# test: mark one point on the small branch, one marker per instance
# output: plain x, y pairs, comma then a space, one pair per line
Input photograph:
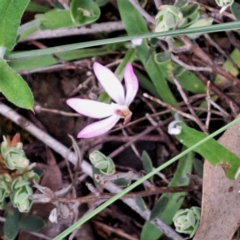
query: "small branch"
132, 145
157, 3
148, 17
206, 59
208, 106
220, 50
117, 231
218, 107
39, 109
76, 31
184, 97
189, 67
186, 115
214, 88
135, 138
215, 10
105, 196
148, 138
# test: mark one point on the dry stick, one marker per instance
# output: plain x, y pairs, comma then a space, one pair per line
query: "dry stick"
206, 59
208, 106
114, 230
132, 145
212, 9
148, 17
81, 85
41, 198
64, 32
149, 138
186, 115
157, 3
217, 107
38, 109
234, 41
86, 167
189, 67
220, 50
134, 139
166, 137
150, 119
215, 89
159, 129
184, 97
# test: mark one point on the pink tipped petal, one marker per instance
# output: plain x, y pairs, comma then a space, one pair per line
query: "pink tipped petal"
131, 83
110, 83
90, 108
98, 128
127, 119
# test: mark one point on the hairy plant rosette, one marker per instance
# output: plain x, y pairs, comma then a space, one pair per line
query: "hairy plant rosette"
111, 112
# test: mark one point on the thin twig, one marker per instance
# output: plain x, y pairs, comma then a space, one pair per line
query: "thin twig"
184, 97
217, 107
148, 138
117, 231
157, 3
227, 14
76, 31
220, 50
208, 106
135, 138
214, 88
81, 85
132, 145
148, 17
189, 67
86, 167
186, 115
38, 109
105, 196
208, 61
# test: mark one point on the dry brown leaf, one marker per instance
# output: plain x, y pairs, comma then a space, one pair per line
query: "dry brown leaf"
220, 215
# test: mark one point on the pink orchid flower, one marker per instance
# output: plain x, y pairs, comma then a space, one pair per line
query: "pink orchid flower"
113, 111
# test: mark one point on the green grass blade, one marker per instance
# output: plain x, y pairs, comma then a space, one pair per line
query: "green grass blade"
214, 28
140, 181
175, 200
31, 63
128, 15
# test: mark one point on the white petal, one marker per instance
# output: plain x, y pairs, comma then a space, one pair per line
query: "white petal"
223, 9
131, 83
53, 216
110, 83
98, 128
136, 41
90, 108
174, 128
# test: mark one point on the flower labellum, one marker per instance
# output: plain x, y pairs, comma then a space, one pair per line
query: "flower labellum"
111, 112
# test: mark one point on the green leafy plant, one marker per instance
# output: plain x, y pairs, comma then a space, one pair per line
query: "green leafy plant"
12, 85
16, 190
180, 16
187, 220
16, 184
15, 222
